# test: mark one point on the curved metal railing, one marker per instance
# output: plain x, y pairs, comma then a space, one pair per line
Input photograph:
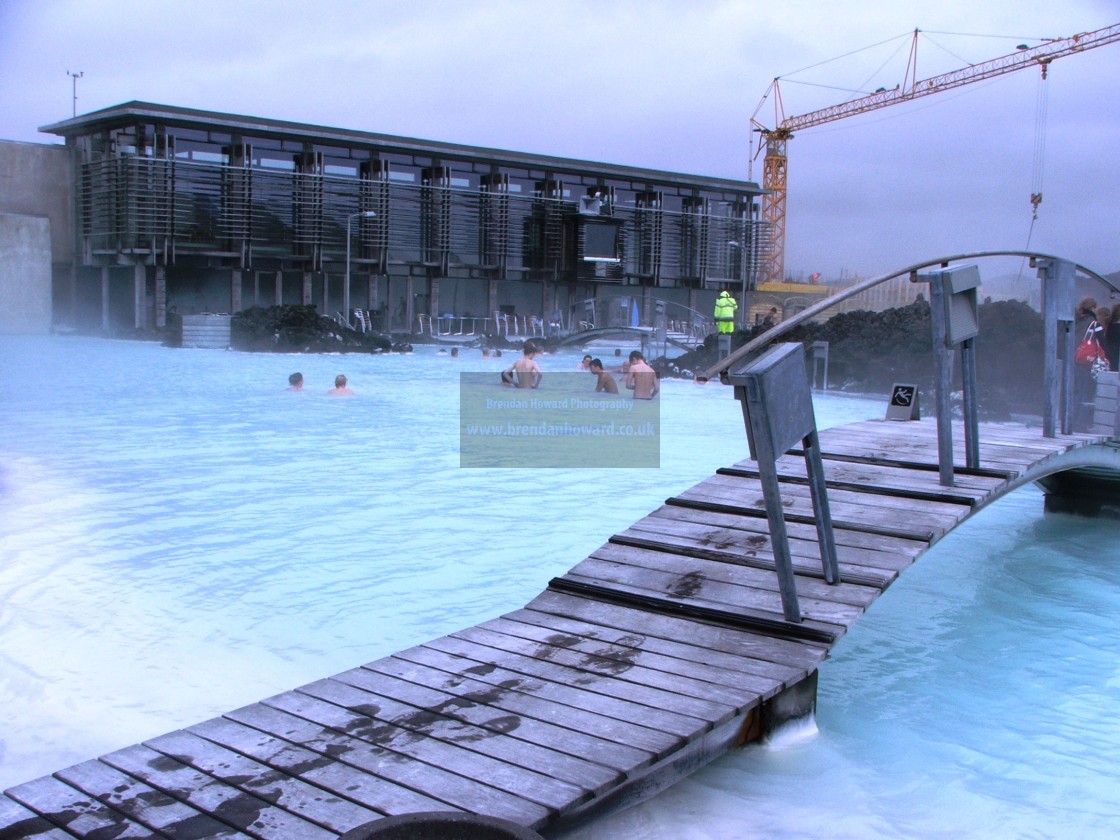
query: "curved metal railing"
759, 342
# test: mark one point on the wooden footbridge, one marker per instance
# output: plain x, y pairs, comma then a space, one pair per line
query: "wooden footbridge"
664, 648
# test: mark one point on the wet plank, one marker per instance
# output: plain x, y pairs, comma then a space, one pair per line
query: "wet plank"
277, 805
432, 780
144, 804
484, 708
794, 654
18, 821
335, 776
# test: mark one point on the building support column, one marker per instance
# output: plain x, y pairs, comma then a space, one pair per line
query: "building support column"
548, 302
105, 298
139, 294
326, 311
256, 288
409, 303
492, 298
372, 296
693, 303
346, 297
235, 291
433, 297
305, 299
647, 305
161, 297
278, 292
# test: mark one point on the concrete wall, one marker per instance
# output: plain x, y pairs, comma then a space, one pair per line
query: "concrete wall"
36, 285
35, 181
25, 274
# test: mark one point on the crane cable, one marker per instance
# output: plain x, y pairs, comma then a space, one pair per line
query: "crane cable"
1041, 106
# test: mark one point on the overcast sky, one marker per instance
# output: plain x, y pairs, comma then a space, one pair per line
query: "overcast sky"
665, 84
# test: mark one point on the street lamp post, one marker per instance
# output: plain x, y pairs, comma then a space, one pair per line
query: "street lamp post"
364, 214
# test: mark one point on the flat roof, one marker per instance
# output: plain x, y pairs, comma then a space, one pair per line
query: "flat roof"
133, 112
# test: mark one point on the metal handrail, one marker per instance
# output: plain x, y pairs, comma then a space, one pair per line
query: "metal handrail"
721, 367
699, 325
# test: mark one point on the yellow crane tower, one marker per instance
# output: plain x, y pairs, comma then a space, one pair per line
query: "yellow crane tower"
775, 162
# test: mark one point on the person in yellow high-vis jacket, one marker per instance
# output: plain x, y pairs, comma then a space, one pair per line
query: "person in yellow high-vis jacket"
725, 312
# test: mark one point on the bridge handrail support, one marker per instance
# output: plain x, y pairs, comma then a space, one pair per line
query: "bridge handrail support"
774, 393
1057, 326
954, 321
662, 312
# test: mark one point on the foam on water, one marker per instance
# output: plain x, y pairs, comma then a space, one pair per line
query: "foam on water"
179, 536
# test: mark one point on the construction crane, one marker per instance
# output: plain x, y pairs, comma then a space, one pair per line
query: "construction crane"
775, 162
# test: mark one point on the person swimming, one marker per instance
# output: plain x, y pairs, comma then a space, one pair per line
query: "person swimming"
295, 381
340, 389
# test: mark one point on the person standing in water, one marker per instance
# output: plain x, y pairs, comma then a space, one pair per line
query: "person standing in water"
525, 372
641, 378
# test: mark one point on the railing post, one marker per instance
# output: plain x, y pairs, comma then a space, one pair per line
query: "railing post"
1057, 323
954, 319
778, 412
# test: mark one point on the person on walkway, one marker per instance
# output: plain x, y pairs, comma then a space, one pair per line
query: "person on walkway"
771, 318
1112, 338
525, 372
340, 389
603, 381
1084, 388
641, 378
725, 313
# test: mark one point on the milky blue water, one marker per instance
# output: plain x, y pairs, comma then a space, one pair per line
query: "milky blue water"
179, 535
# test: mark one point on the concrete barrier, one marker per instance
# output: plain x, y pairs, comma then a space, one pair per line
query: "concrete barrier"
25, 274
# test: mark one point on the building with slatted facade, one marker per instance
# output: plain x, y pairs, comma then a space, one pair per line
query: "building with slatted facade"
194, 211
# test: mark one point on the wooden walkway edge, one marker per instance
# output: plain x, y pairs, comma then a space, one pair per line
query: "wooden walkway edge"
655, 654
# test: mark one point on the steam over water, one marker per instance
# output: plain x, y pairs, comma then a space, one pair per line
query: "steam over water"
179, 536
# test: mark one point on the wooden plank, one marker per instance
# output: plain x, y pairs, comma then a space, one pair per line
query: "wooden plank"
881, 524
683, 648
847, 504
628, 651
525, 770
859, 548
279, 807
921, 445
143, 803
667, 730
431, 780
697, 572
18, 821
684, 715
891, 482
743, 618
697, 590
626, 664
505, 690
722, 545
887, 476
338, 778
796, 654
64, 806
510, 719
